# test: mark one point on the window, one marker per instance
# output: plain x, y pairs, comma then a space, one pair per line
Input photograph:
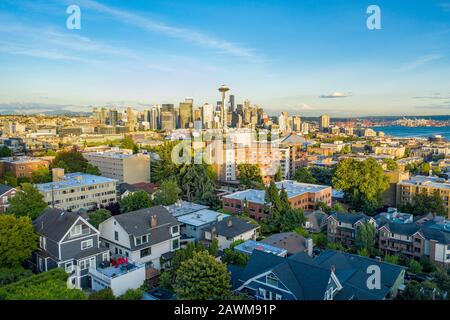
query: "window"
43, 243
5, 200
87, 244
87, 263
262, 293
272, 280
138, 241
146, 252
144, 239
277, 297
69, 267
76, 231
175, 229
175, 244
116, 235
105, 256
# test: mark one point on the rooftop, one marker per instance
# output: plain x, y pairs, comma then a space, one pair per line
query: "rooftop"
392, 215
432, 181
201, 217
71, 180
183, 207
21, 159
250, 245
113, 154
292, 188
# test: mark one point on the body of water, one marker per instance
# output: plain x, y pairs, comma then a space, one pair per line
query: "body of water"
421, 132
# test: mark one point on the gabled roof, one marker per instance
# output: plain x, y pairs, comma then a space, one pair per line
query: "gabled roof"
4, 189
238, 226
55, 223
138, 223
407, 229
349, 217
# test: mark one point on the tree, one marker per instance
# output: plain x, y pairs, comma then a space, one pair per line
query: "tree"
278, 175
73, 161
104, 294
11, 275
322, 175
363, 252
363, 183
132, 294
28, 201
97, 217
41, 175
202, 278
250, 176
391, 165
425, 203
198, 183
5, 152
366, 237
303, 175
9, 179
17, 240
394, 259
50, 285
291, 219
168, 193
164, 168
320, 240
414, 266
135, 201
128, 143
231, 256
337, 207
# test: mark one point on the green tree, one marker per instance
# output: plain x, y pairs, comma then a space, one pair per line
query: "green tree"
202, 278
320, 240
41, 175
28, 201
250, 176
104, 294
98, 216
426, 203
11, 275
17, 240
363, 183
278, 175
128, 143
198, 184
363, 252
9, 179
231, 256
168, 193
322, 175
414, 266
366, 237
135, 201
73, 161
50, 285
163, 168
5, 152
391, 165
303, 175
132, 294
394, 259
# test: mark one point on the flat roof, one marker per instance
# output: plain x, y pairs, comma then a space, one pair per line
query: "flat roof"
250, 245
201, 217
184, 207
110, 154
292, 188
76, 179
22, 159
435, 182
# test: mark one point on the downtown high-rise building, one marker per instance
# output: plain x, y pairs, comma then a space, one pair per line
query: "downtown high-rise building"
324, 123
186, 114
168, 117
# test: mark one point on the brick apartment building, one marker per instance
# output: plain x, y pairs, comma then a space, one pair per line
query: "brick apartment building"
21, 167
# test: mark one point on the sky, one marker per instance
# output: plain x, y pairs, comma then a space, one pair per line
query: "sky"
306, 57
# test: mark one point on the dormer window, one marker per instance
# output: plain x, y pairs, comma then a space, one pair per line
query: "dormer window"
141, 240
272, 280
175, 229
43, 243
76, 231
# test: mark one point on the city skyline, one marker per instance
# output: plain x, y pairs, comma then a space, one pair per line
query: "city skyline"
160, 52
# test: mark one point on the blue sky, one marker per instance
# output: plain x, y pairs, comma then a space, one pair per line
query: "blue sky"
305, 56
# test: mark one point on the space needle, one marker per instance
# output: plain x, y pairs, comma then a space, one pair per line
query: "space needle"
223, 90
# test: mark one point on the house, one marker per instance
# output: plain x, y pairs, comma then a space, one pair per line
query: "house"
126, 189
6, 193
192, 223
343, 227
228, 230
68, 241
290, 241
316, 221
184, 207
332, 275
143, 235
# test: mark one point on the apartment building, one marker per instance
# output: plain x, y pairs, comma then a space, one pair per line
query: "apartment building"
76, 191
397, 152
343, 227
301, 195
21, 167
121, 165
408, 189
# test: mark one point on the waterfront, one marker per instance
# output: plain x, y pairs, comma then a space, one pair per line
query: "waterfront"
422, 132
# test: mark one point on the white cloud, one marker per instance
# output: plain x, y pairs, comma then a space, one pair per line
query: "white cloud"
335, 95
304, 107
419, 62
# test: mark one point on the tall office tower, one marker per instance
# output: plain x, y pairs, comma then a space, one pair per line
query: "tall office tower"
296, 123
231, 102
260, 113
197, 114
154, 118
167, 117
240, 109
96, 114
146, 116
223, 91
324, 122
207, 116
131, 119
113, 117
283, 122
186, 116
305, 127
103, 115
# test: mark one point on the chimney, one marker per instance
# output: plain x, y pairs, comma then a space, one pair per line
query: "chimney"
230, 223
153, 221
57, 174
309, 246
333, 269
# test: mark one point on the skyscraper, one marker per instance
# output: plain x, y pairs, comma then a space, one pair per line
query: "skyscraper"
113, 117
207, 116
167, 117
324, 123
186, 116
